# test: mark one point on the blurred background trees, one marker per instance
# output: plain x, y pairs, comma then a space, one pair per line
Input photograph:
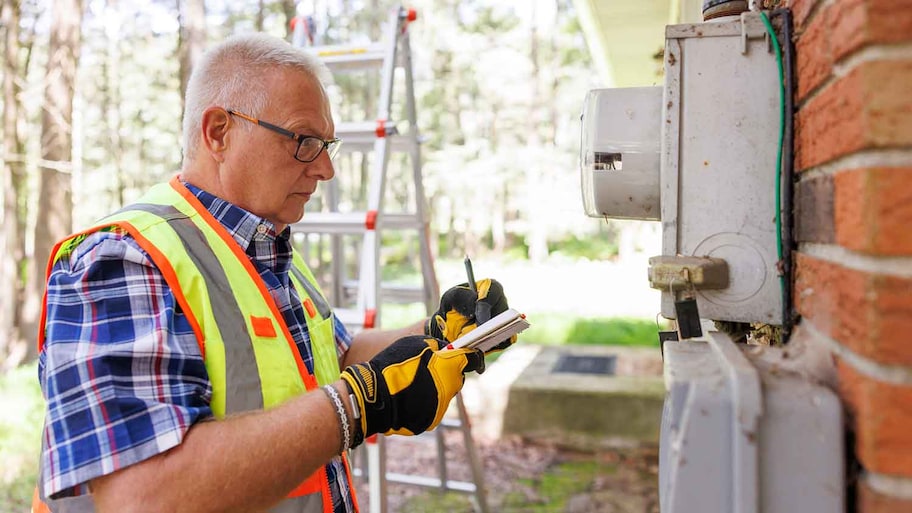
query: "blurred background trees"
92, 106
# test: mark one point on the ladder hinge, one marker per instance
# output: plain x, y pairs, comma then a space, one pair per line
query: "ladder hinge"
381, 128
370, 317
370, 220
408, 16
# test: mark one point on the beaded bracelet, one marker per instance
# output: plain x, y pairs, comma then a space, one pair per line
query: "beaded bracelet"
343, 417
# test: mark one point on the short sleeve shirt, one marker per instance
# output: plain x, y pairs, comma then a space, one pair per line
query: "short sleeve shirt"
121, 369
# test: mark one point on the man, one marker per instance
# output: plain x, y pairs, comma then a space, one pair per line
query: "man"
189, 361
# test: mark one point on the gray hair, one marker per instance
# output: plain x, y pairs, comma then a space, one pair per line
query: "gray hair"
231, 75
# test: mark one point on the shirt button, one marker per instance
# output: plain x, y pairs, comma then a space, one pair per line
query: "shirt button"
261, 228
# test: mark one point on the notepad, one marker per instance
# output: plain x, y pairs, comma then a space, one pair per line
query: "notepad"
493, 332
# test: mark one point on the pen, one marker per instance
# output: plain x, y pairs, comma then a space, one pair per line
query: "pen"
470, 274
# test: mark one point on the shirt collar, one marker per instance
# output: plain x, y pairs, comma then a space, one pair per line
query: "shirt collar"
256, 235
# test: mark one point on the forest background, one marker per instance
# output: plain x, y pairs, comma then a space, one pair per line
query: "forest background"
91, 107
92, 101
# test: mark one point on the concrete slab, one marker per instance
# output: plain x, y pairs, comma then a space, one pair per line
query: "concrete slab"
584, 410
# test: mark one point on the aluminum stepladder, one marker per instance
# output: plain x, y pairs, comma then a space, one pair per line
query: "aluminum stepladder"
380, 138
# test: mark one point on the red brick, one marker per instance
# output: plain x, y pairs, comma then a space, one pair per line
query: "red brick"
868, 108
801, 10
860, 23
873, 209
813, 55
872, 501
881, 414
868, 313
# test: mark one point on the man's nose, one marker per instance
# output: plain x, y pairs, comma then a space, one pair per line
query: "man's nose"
322, 168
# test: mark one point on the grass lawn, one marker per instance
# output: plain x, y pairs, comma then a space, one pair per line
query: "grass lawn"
21, 416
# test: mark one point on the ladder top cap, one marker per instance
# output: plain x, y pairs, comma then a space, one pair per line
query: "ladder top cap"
411, 14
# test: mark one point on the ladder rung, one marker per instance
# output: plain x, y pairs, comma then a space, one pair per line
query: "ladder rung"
355, 318
348, 316
361, 136
363, 130
430, 482
450, 423
333, 222
354, 222
350, 57
391, 293
397, 143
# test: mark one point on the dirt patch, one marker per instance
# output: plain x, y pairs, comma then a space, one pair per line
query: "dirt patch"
521, 476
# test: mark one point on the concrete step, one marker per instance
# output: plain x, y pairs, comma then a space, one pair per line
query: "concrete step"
570, 396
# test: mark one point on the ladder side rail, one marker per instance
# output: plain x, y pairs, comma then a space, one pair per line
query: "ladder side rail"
368, 295
431, 286
394, 51
394, 29
376, 468
370, 254
337, 267
441, 459
370, 250
481, 504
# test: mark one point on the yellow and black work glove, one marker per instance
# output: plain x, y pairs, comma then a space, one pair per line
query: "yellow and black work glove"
407, 387
462, 310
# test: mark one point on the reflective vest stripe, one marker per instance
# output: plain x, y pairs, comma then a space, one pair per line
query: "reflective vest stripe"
321, 305
239, 356
326, 363
241, 257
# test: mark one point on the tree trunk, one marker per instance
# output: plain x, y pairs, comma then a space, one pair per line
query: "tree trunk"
55, 202
12, 342
192, 37
110, 101
288, 7
260, 16
537, 239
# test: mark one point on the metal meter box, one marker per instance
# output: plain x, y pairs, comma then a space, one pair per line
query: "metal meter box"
744, 432
720, 126
619, 152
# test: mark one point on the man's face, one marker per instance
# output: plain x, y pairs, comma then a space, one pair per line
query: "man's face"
260, 173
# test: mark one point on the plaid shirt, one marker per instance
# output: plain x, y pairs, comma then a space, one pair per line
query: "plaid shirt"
121, 369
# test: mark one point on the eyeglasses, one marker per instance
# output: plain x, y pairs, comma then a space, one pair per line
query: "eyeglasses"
309, 148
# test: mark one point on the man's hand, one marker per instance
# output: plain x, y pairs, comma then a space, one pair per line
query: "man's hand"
462, 310
408, 386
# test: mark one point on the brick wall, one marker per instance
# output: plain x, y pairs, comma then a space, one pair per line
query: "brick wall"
853, 289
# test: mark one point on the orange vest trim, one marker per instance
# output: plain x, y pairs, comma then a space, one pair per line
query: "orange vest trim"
310, 381
160, 261
38, 506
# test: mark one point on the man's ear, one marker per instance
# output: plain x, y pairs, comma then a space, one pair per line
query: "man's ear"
214, 126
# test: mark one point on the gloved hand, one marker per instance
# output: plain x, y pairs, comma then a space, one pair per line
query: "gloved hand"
461, 311
408, 386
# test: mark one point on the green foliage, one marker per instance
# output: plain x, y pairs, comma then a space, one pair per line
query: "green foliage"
591, 248
558, 329
555, 487
21, 416
400, 261
517, 251
548, 493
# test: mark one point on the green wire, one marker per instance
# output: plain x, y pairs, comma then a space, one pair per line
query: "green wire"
778, 50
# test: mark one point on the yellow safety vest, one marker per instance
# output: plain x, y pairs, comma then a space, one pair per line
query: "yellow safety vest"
250, 356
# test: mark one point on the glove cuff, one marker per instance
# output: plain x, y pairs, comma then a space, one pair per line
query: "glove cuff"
361, 381
357, 415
